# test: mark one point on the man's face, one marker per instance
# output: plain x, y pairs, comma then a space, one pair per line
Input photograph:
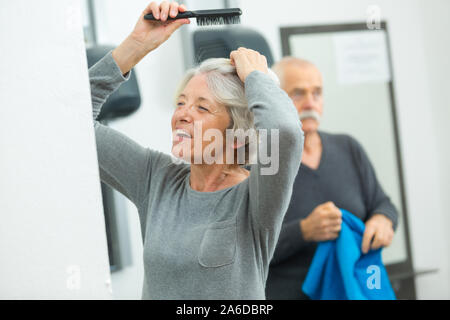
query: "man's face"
304, 85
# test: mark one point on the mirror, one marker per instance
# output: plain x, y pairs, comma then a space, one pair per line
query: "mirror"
359, 101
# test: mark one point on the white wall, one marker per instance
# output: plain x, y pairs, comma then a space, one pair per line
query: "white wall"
52, 231
436, 23
420, 78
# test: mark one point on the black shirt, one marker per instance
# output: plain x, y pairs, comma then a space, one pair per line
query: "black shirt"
346, 177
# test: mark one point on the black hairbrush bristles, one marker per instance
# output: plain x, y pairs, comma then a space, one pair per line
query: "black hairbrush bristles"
208, 17
207, 21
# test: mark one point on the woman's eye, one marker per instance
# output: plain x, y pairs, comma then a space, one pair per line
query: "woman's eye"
179, 104
202, 108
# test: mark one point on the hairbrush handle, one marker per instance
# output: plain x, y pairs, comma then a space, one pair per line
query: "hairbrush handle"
180, 15
211, 14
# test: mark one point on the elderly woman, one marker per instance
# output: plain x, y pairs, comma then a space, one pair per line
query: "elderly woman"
209, 230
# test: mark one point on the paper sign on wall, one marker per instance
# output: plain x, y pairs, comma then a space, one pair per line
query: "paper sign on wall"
361, 57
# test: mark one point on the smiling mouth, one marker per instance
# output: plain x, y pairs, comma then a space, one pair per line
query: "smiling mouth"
180, 135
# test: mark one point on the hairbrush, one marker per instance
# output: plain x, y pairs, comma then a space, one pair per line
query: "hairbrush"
207, 17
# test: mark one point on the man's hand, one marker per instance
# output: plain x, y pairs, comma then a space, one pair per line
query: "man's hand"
246, 61
323, 224
379, 228
148, 35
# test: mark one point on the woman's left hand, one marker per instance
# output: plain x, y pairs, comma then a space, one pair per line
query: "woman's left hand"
246, 61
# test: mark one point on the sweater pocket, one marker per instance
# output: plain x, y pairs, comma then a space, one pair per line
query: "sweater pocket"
218, 246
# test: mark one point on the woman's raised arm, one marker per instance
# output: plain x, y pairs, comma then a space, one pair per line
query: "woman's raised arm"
273, 111
124, 164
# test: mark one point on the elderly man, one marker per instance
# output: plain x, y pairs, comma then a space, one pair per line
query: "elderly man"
335, 172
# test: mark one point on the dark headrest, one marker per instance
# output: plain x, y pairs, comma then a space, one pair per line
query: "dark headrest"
218, 43
125, 100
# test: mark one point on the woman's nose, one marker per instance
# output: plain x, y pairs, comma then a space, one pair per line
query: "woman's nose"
184, 113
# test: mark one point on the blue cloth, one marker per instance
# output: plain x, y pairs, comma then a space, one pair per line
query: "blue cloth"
340, 271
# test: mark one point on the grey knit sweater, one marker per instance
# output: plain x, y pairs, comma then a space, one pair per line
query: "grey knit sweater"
202, 245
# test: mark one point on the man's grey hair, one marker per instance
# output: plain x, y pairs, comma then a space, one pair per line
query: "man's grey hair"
289, 61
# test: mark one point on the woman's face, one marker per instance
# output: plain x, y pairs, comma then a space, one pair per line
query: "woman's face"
197, 112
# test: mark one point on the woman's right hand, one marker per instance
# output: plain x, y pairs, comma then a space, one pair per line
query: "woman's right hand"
151, 34
148, 35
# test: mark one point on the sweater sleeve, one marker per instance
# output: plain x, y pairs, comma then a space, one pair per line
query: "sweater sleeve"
375, 199
124, 165
271, 183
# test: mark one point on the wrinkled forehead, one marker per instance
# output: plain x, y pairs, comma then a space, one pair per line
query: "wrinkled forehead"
196, 86
197, 90
304, 76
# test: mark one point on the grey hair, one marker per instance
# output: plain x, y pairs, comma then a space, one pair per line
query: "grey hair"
227, 89
279, 67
